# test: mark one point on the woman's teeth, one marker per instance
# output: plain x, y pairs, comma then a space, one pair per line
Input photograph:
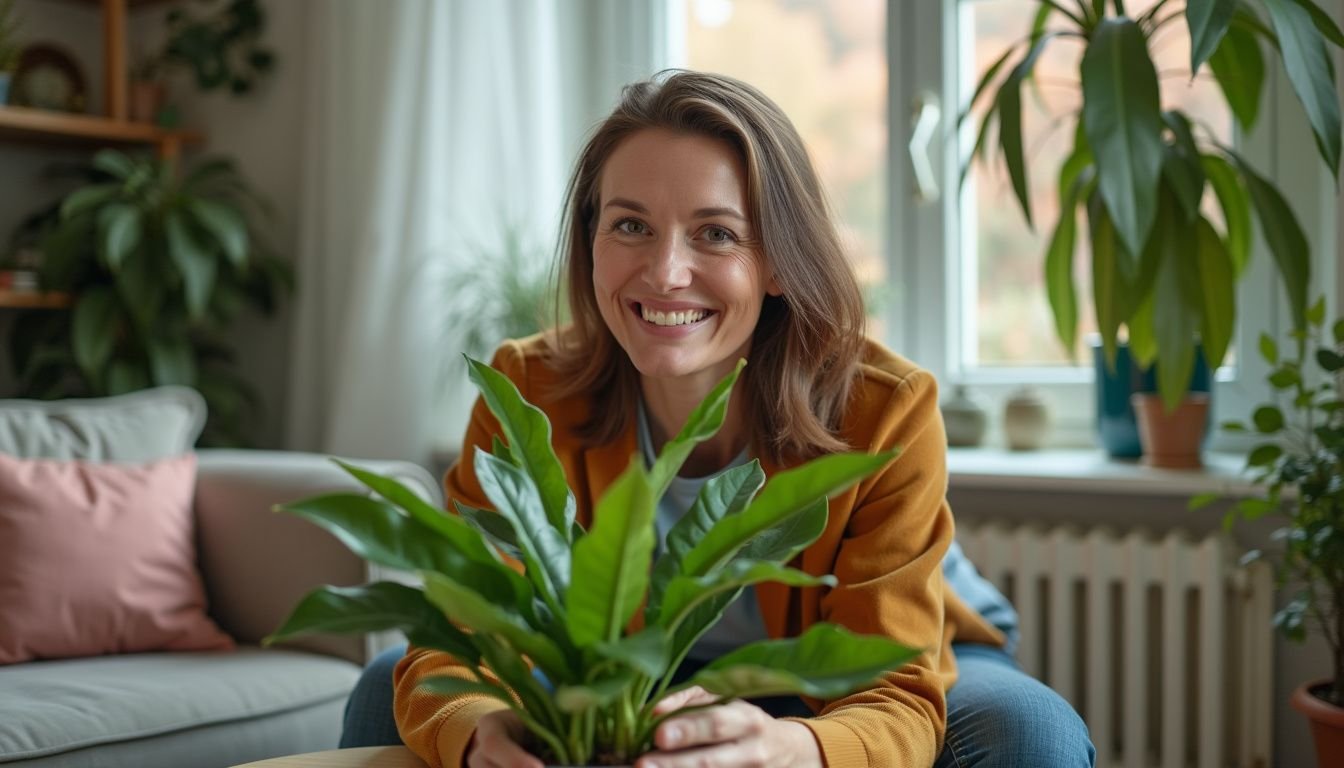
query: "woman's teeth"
673, 318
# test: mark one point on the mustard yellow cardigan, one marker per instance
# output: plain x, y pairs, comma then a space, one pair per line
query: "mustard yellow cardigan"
884, 541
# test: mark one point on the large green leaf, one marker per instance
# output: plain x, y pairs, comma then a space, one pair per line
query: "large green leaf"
1181, 168
87, 199
383, 605
529, 434
1238, 65
1323, 22
195, 263
471, 607
143, 290
126, 376
115, 163
545, 550
646, 651
789, 493
94, 329
1218, 290
227, 226
493, 526
172, 360
120, 227
589, 696
1307, 63
725, 494
1285, 237
1122, 119
685, 592
1107, 282
611, 562
1059, 287
703, 422
1142, 334
1009, 105
1232, 198
824, 662
1208, 21
1176, 310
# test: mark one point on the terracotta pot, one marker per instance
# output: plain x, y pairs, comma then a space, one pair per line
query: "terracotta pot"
1327, 723
1171, 440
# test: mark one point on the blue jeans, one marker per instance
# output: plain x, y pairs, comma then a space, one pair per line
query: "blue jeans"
997, 715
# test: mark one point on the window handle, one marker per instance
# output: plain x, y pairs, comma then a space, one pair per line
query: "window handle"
927, 116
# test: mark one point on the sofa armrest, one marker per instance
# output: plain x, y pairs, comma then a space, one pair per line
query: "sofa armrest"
257, 564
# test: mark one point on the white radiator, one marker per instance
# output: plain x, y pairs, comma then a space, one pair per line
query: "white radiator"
1164, 646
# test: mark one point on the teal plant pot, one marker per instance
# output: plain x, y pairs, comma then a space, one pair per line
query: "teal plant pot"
5, 77
1117, 427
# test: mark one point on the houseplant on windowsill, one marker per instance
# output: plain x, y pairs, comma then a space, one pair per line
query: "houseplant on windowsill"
567, 614
1160, 267
1300, 469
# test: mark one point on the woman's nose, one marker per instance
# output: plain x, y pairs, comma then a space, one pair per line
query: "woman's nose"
669, 265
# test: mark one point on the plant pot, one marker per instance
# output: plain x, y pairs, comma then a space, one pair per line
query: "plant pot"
1117, 427
1327, 722
146, 100
5, 77
1172, 440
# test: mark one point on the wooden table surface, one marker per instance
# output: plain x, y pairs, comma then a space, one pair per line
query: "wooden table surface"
363, 757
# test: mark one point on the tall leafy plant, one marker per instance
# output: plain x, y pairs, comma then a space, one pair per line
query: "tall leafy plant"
159, 265
567, 613
1160, 266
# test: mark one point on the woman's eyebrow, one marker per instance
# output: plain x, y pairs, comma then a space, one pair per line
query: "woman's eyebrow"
705, 213
622, 202
699, 213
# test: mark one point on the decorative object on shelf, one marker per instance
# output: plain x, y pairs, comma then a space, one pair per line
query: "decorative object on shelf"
9, 47
1160, 266
964, 418
604, 681
1116, 423
159, 267
49, 78
1300, 470
1026, 420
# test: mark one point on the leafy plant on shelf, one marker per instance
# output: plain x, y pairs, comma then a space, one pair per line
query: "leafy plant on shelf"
9, 42
567, 613
220, 49
159, 267
1300, 468
1160, 266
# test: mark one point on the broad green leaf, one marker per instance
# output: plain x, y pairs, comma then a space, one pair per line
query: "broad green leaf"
725, 494
1143, 333
1269, 350
1254, 509
1324, 24
684, 592
447, 685
120, 229
1107, 282
1264, 456
196, 265
646, 651
94, 329
1009, 105
1329, 360
1238, 65
493, 526
1059, 285
1268, 419
1307, 63
114, 163
1218, 292
1232, 197
1202, 500
383, 605
473, 608
985, 80
611, 562
789, 493
528, 432
824, 662
1208, 21
87, 199
227, 226
143, 290
1285, 377
1181, 164
1338, 331
501, 450
1176, 312
171, 361
1233, 426
1286, 240
545, 550
1316, 312
1122, 118
124, 376
588, 696
701, 425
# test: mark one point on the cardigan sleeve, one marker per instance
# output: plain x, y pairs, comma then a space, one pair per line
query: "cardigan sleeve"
438, 728
890, 582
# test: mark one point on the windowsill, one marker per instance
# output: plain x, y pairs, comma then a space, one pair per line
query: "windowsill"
1091, 471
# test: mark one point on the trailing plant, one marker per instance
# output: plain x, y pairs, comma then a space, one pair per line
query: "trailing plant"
567, 614
1300, 471
159, 267
220, 49
1160, 266
9, 41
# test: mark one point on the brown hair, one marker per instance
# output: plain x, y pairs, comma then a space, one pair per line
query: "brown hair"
806, 346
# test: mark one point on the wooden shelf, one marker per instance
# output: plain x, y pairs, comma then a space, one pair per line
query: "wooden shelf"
47, 125
33, 300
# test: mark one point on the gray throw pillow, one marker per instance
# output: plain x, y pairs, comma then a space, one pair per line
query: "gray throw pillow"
138, 427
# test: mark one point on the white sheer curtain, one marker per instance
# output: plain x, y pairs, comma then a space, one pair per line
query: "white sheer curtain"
429, 123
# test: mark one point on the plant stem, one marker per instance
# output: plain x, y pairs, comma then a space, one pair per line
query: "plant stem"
1072, 16
1120, 8
1151, 12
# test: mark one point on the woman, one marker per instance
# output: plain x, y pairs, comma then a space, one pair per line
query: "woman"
697, 234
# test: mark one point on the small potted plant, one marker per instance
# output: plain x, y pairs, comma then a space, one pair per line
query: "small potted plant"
9, 47
1139, 171
567, 613
1300, 469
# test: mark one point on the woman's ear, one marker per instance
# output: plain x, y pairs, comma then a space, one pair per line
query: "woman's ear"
772, 287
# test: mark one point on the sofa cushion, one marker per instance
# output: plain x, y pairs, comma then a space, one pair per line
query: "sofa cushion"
99, 558
53, 707
137, 427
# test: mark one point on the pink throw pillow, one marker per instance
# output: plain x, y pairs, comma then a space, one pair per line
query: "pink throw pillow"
99, 558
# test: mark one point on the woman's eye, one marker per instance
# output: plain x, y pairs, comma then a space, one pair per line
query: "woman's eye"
630, 227
719, 235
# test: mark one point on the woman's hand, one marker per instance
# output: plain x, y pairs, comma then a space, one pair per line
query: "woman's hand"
496, 743
734, 734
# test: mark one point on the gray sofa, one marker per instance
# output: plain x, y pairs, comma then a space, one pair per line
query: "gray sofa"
216, 708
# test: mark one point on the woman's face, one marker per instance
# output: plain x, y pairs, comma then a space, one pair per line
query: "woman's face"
678, 273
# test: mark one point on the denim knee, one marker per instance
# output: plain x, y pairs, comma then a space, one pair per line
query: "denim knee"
369, 719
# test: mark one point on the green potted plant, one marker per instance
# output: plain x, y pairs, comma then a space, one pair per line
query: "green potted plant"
9, 47
567, 613
159, 266
1161, 267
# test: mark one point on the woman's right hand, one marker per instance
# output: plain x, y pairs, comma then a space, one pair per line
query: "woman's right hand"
497, 743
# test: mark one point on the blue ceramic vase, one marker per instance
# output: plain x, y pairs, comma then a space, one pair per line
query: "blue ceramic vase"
1117, 428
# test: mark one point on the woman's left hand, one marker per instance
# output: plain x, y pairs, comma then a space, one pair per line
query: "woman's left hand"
735, 733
